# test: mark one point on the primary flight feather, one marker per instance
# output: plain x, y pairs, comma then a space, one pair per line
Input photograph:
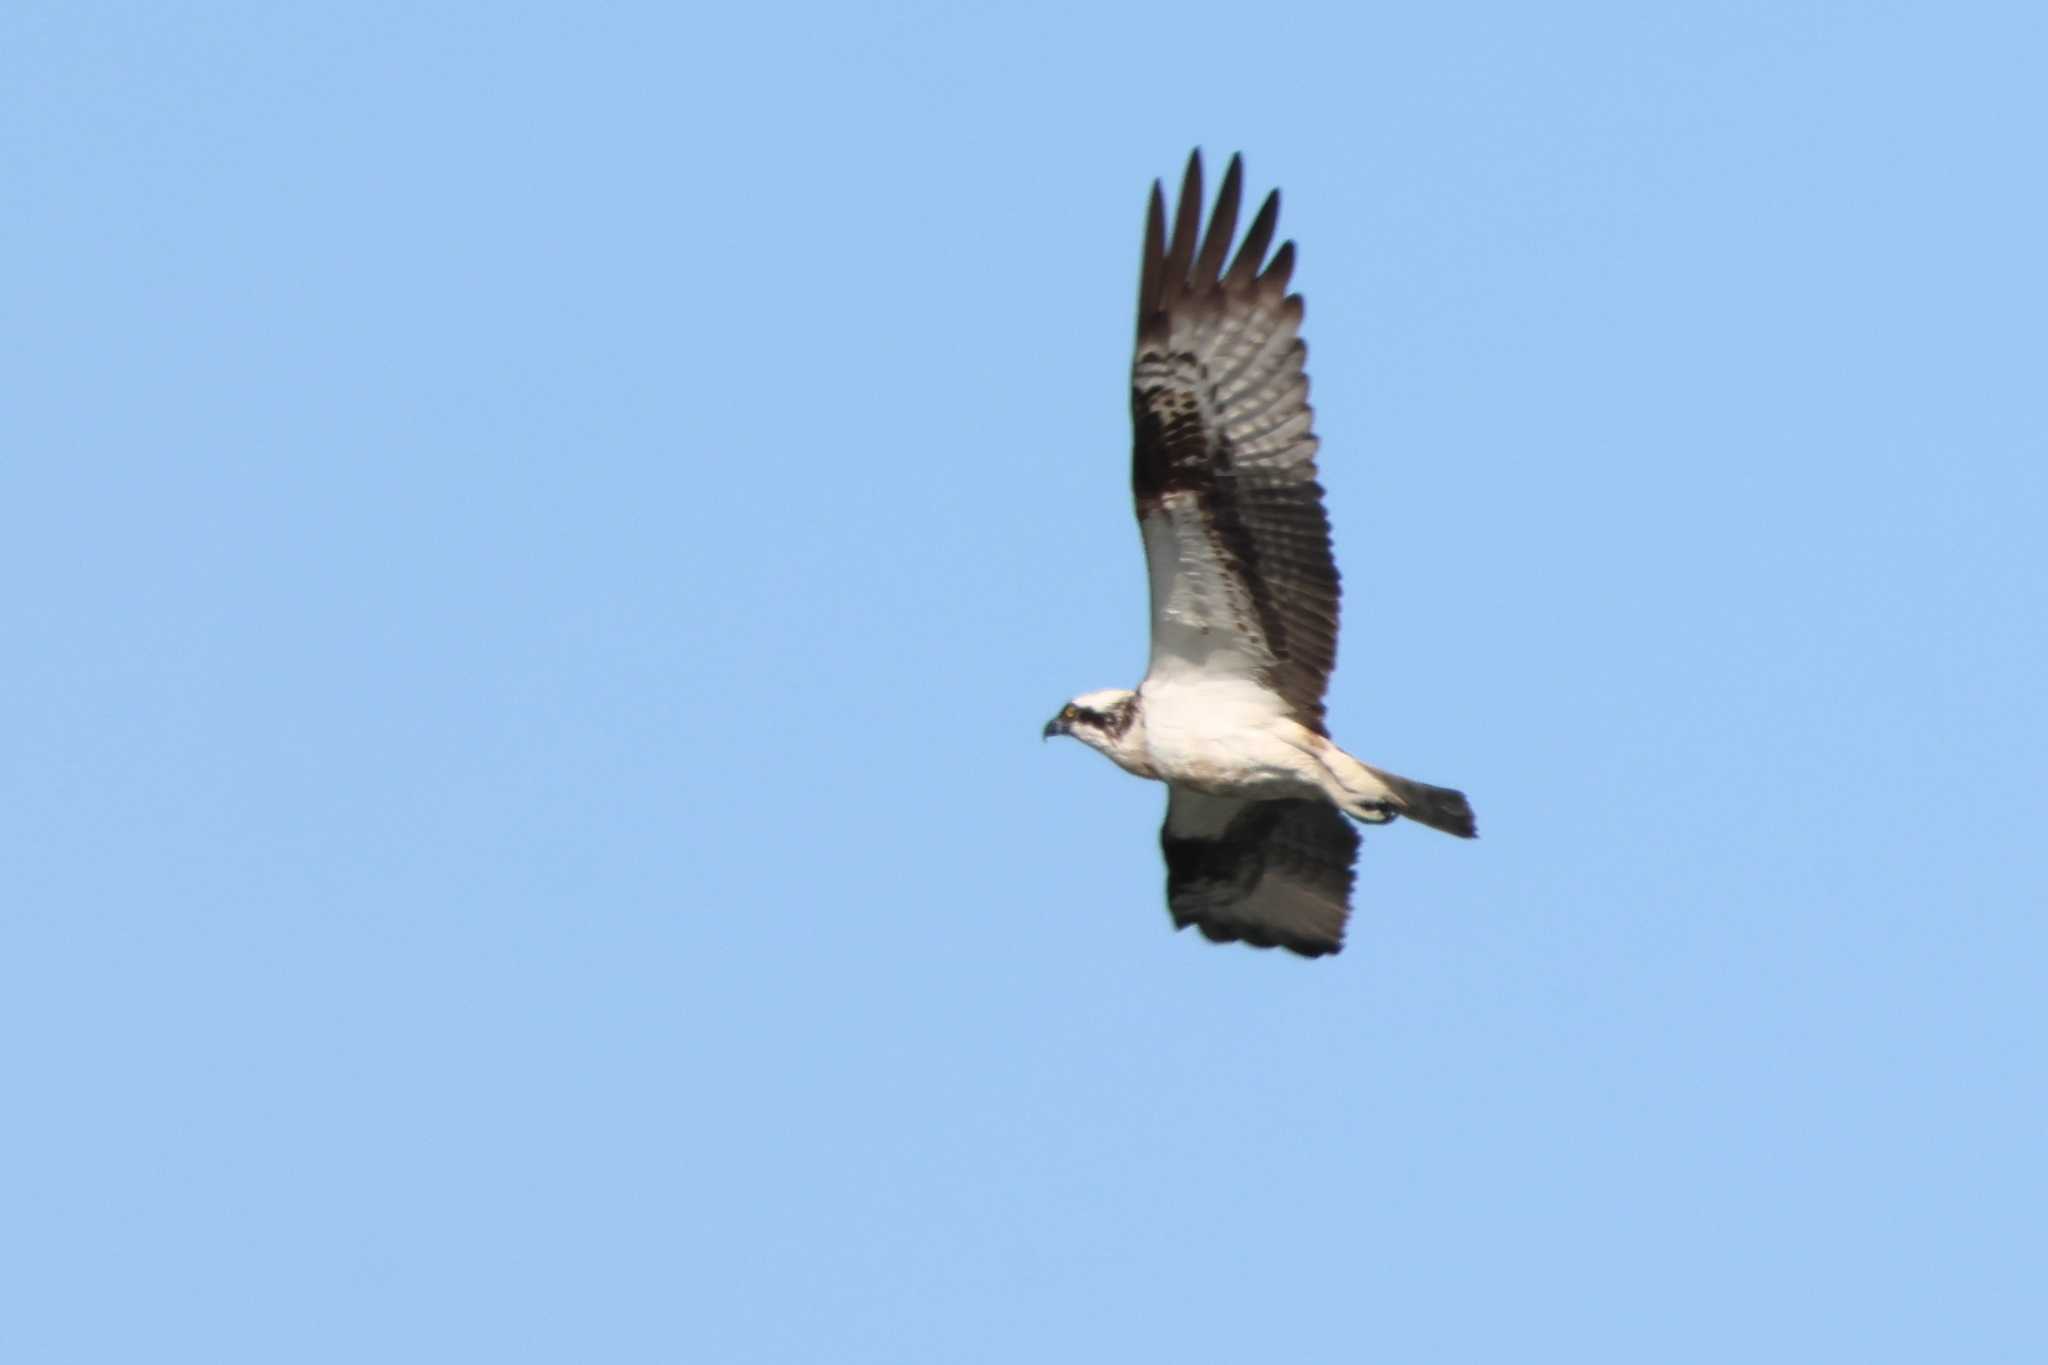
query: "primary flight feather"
1258, 845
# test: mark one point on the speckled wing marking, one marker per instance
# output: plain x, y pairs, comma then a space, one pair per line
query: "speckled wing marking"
1274, 874
1223, 457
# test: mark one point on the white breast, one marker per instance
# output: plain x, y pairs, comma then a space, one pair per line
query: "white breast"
1227, 737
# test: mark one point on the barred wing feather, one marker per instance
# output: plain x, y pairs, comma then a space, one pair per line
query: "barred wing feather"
1237, 544
1273, 874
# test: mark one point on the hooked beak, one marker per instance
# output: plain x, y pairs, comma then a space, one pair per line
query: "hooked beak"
1055, 726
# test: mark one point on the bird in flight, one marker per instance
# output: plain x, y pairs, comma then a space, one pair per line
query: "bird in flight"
1258, 838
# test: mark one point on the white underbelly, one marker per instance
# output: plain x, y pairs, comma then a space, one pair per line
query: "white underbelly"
1261, 757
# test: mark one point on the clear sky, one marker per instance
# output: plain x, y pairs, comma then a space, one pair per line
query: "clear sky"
536, 542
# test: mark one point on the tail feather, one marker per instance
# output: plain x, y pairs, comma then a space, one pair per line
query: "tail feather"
1438, 807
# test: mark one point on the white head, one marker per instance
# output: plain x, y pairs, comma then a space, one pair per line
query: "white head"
1108, 721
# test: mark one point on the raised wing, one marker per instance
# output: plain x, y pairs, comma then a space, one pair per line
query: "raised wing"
1223, 461
1268, 873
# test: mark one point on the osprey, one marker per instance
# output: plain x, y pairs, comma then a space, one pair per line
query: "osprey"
1258, 845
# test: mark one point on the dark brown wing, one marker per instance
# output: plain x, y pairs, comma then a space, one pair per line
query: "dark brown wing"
1223, 459
1268, 873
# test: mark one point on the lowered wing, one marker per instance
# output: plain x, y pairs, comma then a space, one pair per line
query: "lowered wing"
1237, 544
1268, 873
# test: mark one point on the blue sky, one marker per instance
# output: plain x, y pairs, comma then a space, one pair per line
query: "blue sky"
538, 541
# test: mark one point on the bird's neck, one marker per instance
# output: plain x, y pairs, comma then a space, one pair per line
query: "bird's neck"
1129, 749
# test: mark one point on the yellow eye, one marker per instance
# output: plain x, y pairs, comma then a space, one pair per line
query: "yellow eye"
1070, 712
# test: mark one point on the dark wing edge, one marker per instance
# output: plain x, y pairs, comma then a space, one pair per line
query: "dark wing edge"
1220, 415
1271, 874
